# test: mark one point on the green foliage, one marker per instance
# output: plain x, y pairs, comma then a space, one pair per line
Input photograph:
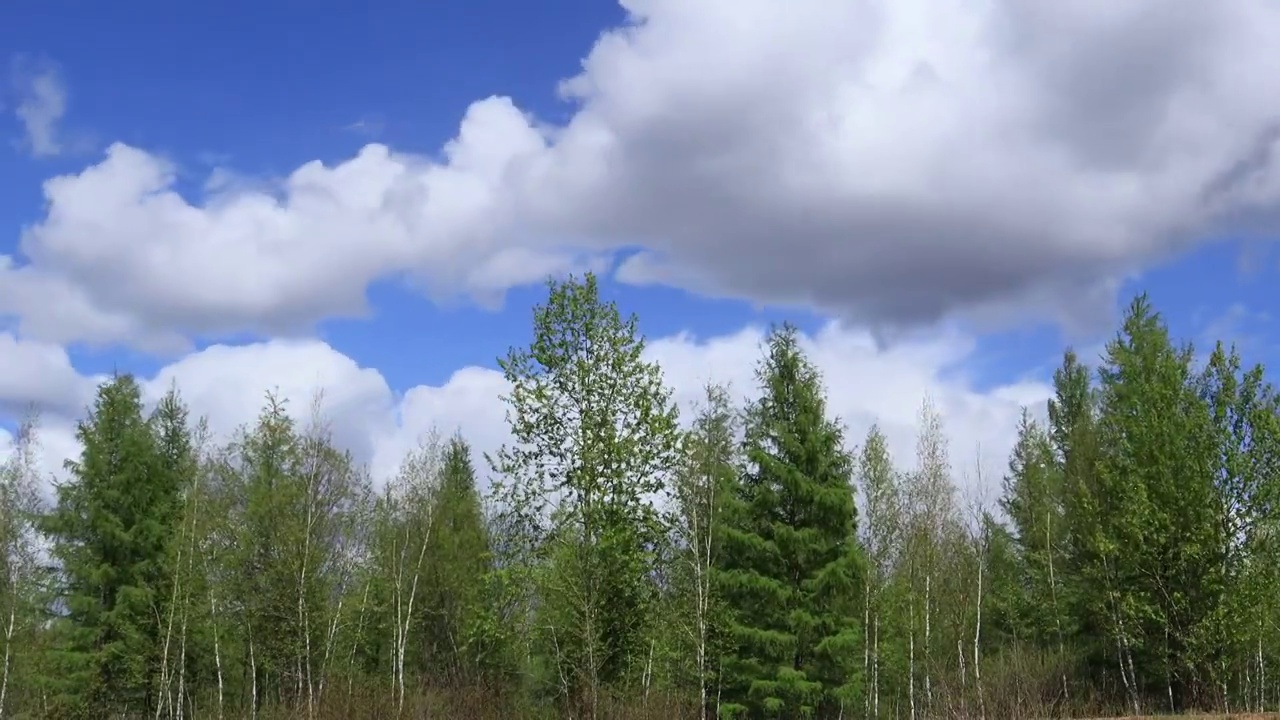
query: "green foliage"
24, 583
790, 568
595, 438
111, 532
461, 647
623, 567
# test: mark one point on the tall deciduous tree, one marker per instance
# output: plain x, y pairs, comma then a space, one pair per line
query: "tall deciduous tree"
595, 440
710, 469
22, 579
1245, 412
882, 537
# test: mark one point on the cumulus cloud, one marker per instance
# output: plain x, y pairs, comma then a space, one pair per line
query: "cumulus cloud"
891, 161
228, 384
37, 374
42, 101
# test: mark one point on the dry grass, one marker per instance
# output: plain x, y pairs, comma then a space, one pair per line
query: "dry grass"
1198, 716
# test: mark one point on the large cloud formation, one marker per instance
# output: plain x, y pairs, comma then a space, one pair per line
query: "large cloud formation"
228, 384
892, 161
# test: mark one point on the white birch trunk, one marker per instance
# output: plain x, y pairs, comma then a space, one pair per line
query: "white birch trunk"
977, 641
8, 640
911, 655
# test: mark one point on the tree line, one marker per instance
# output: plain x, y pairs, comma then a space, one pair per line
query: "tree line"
619, 564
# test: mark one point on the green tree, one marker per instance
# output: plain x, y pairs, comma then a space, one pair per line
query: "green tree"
111, 530
1237, 638
1160, 535
23, 582
710, 467
595, 439
1033, 502
296, 506
882, 537
790, 567
179, 467
457, 560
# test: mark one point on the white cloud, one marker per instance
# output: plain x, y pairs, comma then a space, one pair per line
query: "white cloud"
42, 101
889, 160
37, 373
228, 384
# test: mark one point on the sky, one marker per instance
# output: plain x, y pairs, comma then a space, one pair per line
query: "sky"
366, 200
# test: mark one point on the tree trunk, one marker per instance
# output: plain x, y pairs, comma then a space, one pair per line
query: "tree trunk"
977, 641
8, 642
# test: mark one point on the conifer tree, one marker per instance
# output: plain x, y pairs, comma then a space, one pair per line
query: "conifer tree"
1032, 500
457, 560
110, 530
791, 567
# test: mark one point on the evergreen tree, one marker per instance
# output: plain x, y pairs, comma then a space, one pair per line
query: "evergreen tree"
1032, 500
457, 561
110, 532
791, 567
178, 466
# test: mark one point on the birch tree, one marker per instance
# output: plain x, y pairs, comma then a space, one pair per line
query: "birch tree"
710, 467
20, 572
931, 518
406, 524
882, 537
595, 440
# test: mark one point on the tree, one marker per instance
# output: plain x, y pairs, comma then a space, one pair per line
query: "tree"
1160, 531
931, 524
22, 580
406, 525
1033, 502
111, 531
595, 439
178, 472
882, 540
707, 474
1245, 417
790, 567
457, 561
296, 508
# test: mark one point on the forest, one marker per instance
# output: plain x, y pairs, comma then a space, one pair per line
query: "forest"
615, 560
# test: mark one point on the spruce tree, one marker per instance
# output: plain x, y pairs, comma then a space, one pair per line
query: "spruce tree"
110, 533
1032, 500
791, 568
457, 560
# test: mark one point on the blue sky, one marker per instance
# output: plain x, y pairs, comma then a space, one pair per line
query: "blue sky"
263, 89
